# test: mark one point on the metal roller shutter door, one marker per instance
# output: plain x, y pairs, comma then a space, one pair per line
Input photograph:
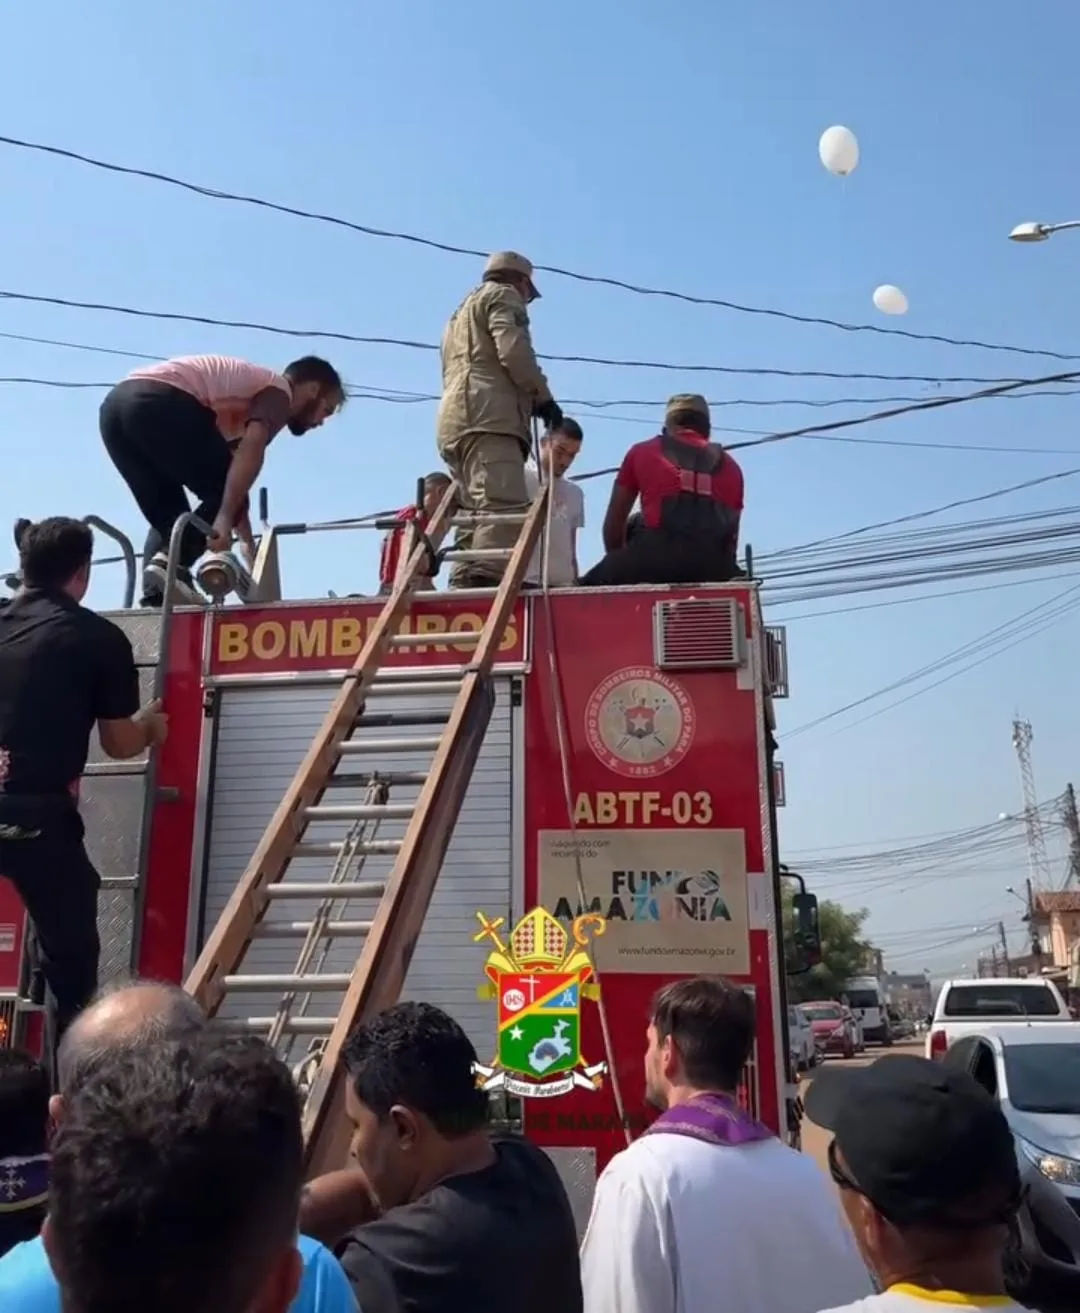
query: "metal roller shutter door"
262, 737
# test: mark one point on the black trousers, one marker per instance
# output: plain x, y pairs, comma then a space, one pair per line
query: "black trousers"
163, 441
47, 863
656, 556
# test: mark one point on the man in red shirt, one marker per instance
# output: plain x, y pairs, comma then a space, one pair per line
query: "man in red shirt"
691, 493
392, 556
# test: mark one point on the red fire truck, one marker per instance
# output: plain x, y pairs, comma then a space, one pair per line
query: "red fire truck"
626, 773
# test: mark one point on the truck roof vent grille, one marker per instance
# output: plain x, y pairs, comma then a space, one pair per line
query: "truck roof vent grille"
706, 633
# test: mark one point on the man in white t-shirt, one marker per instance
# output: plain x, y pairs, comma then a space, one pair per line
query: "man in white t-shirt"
926, 1168
558, 450
708, 1210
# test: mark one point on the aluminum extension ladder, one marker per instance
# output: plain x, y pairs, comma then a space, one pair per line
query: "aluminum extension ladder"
385, 941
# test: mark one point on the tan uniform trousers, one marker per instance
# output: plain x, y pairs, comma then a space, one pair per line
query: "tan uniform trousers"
490, 469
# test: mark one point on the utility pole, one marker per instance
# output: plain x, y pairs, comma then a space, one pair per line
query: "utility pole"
1036, 942
1072, 825
1004, 948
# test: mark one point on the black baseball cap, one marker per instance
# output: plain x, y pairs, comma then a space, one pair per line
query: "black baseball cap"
925, 1143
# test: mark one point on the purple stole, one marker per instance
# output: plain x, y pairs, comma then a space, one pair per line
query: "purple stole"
24, 1183
714, 1118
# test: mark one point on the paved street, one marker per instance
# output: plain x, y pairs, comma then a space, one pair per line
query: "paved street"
815, 1140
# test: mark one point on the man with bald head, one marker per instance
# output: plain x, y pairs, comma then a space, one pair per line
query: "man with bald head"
123, 1017
127, 1018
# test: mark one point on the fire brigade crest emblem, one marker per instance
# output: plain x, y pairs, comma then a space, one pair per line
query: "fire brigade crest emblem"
539, 979
639, 722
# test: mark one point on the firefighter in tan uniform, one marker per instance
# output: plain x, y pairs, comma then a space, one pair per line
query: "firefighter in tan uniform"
492, 388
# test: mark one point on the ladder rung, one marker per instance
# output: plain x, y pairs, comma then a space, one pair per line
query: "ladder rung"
457, 638
343, 891
477, 554
363, 848
469, 518
402, 689
310, 984
361, 811
427, 744
393, 779
406, 674
294, 1026
392, 719
327, 929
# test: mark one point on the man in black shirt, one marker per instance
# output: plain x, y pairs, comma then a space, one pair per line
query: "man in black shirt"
469, 1220
62, 669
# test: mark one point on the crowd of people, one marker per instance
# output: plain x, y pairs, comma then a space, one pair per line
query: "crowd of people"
166, 1174
154, 1162
203, 424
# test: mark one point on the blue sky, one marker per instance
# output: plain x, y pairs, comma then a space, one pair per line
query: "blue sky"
673, 147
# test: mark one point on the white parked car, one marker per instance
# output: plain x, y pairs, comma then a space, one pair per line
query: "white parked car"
804, 1053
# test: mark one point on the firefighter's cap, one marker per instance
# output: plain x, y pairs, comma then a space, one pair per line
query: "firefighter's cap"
509, 262
687, 401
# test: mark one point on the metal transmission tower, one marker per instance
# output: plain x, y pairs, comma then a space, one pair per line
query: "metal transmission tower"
1071, 820
1038, 862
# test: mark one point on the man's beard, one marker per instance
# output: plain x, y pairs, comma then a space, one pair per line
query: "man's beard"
301, 421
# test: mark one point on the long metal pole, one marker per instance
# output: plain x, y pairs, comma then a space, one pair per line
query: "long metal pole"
150, 798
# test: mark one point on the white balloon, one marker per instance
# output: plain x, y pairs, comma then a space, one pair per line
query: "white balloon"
839, 150
890, 300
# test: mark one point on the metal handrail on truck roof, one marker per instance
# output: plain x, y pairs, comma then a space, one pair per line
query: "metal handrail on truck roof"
13, 579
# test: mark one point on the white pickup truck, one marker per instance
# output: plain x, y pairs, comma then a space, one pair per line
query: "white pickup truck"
965, 1007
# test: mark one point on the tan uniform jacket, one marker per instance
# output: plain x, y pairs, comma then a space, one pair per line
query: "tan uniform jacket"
491, 379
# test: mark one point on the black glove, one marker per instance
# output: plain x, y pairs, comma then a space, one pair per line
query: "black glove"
550, 412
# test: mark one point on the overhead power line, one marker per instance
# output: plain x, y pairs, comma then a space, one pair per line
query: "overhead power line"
361, 339
407, 397
918, 851
912, 601
935, 403
955, 551
809, 430
364, 393
367, 230
998, 639
1016, 641
906, 843
936, 510
909, 545
78, 346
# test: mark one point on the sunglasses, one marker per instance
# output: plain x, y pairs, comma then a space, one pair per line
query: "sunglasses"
840, 1178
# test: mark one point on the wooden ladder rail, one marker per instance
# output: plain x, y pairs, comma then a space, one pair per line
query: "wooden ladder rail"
380, 970
228, 941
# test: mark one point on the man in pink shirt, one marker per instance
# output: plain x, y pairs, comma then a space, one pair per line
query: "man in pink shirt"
203, 423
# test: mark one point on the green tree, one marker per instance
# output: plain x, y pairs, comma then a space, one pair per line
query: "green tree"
844, 952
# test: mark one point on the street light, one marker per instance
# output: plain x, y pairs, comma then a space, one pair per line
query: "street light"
1039, 232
